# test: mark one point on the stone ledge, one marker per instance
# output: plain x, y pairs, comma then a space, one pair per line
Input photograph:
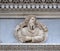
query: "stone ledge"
29, 46
25, 14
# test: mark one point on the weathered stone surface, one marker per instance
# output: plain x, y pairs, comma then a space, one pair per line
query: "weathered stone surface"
31, 47
31, 31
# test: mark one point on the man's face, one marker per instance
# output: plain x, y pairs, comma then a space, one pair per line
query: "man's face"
32, 23
32, 20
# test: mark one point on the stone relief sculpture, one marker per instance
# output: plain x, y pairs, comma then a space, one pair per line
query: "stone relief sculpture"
31, 31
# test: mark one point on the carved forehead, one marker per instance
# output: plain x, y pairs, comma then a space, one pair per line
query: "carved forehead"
32, 17
29, 17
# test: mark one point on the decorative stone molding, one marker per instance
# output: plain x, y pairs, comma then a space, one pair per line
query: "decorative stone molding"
28, 7
22, 13
30, 1
29, 47
30, 4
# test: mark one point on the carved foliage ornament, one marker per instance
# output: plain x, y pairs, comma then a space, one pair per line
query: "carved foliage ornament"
31, 31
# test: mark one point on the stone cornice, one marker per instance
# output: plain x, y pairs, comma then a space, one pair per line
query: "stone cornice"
22, 8
22, 14
23, 4
29, 1
30, 47
29, 6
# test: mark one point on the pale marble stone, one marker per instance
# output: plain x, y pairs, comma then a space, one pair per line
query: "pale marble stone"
31, 31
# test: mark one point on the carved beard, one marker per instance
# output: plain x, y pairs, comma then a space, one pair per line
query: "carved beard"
31, 26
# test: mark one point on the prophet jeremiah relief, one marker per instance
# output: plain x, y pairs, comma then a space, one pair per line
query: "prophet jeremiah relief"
31, 31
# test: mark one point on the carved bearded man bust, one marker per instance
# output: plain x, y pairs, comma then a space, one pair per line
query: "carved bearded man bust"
31, 31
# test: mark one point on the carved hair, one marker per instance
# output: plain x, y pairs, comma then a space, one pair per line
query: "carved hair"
38, 24
27, 19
